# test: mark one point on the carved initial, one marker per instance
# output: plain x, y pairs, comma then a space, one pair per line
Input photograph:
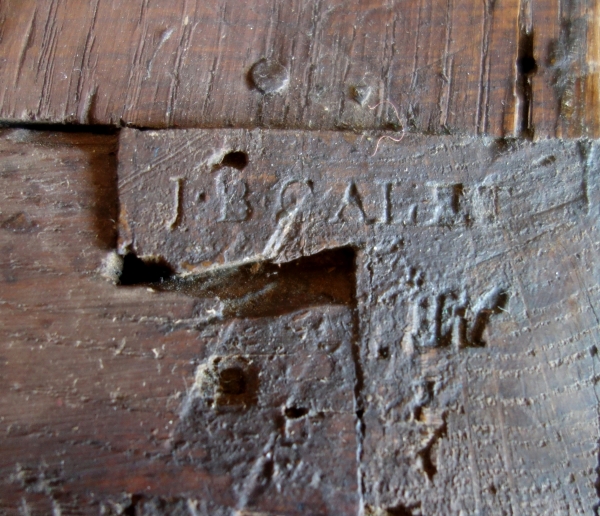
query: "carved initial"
444, 319
446, 200
232, 193
352, 200
292, 197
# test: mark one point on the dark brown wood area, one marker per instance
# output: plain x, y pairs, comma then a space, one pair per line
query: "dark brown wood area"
299, 257
496, 67
111, 401
150, 398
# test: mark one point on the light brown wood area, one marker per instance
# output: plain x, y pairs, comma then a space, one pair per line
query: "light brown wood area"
495, 67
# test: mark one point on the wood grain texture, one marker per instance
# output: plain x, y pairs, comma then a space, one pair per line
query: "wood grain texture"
112, 404
127, 400
449, 67
461, 400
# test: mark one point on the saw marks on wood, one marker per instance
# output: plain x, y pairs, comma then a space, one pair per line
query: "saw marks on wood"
450, 67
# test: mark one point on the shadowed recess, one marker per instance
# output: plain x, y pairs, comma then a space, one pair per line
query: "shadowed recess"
235, 159
526, 68
257, 289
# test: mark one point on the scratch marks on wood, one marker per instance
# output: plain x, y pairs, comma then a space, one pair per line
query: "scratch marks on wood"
388, 53
507, 453
81, 67
220, 36
178, 183
182, 48
165, 35
169, 72
27, 43
416, 49
592, 84
45, 65
143, 11
260, 475
447, 69
567, 64
310, 68
89, 107
526, 67
473, 466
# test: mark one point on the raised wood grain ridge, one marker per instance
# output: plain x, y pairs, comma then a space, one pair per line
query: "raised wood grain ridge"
495, 67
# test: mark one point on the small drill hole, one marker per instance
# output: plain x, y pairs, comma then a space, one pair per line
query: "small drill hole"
232, 381
295, 412
235, 159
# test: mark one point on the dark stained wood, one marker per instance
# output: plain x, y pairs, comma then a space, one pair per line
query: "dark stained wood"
449, 67
295, 315
477, 331
114, 403
142, 399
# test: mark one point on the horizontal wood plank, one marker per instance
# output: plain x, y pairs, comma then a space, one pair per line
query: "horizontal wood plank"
435, 67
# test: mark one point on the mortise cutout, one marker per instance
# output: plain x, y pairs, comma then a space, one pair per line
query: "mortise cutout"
235, 159
258, 289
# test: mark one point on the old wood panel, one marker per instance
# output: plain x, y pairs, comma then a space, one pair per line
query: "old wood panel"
115, 403
503, 68
477, 324
183, 395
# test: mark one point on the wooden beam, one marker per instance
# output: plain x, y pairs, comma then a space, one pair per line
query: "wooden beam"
447, 66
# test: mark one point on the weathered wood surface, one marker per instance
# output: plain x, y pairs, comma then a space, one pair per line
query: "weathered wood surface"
105, 389
181, 397
323, 323
475, 313
502, 67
